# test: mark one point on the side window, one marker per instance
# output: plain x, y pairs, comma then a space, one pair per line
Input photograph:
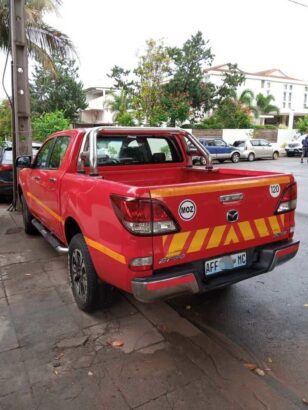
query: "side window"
220, 143
43, 155
160, 149
255, 143
58, 152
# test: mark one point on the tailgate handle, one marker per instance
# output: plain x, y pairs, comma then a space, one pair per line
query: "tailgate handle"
231, 197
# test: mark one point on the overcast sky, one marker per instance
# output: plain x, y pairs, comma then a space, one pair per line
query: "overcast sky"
258, 35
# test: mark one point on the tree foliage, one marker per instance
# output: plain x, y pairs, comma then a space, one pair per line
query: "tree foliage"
63, 92
169, 86
5, 120
47, 123
42, 39
302, 125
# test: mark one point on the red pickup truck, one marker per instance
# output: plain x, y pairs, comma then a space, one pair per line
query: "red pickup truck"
133, 212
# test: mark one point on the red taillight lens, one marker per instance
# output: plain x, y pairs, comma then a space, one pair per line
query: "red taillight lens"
288, 200
143, 216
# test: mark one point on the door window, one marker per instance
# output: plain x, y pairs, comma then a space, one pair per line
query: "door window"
44, 154
58, 152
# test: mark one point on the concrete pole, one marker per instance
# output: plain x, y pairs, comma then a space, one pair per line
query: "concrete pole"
291, 120
22, 132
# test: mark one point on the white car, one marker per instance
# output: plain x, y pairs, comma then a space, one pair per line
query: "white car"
256, 148
295, 147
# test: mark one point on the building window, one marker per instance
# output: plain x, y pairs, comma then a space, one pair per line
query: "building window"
284, 104
268, 84
262, 83
284, 96
305, 100
286, 86
289, 105
306, 89
290, 96
290, 87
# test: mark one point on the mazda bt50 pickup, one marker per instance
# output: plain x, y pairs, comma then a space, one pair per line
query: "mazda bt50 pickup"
132, 212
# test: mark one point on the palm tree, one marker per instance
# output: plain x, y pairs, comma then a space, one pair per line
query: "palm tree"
120, 105
246, 100
264, 106
42, 40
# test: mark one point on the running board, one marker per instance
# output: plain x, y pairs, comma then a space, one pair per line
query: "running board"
49, 237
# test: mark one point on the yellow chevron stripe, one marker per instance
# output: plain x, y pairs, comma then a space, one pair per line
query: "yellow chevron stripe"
218, 187
47, 209
231, 236
274, 224
216, 236
164, 238
177, 243
198, 240
261, 227
246, 230
107, 251
282, 219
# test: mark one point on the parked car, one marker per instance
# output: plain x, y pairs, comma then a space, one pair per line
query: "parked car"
295, 147
251, 149
6, 170
220, 150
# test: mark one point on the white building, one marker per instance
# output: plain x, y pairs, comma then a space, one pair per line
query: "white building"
291, 95
98, 110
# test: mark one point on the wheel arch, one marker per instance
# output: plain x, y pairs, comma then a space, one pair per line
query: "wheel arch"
71, 228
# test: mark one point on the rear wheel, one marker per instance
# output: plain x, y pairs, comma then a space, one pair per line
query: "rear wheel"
235, 157
88, 291
275, 155
27, 217
251, 157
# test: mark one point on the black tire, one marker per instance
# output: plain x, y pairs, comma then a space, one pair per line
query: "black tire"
275, 155
27, 217
235, 158
88, 291
251, 157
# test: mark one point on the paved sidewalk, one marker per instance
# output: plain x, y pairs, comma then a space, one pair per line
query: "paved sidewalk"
53, 356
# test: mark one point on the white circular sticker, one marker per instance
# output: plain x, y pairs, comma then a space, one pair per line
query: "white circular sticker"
274, 190
187, 210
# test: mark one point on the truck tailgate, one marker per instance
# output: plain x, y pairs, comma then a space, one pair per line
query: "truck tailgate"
221, 217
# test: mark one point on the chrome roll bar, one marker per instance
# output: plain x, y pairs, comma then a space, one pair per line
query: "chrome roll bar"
201, 148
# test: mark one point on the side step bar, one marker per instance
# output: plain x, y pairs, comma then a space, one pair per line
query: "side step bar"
49, 237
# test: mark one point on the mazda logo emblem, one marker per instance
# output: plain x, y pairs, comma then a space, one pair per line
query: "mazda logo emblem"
232, 216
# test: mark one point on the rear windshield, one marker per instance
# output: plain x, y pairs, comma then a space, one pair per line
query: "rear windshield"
125, 150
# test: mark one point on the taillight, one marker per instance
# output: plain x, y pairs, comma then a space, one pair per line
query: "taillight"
143, 216
288, 199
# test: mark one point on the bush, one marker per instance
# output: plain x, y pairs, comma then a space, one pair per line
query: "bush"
49, 123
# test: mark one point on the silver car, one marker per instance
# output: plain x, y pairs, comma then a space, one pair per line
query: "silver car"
255, 148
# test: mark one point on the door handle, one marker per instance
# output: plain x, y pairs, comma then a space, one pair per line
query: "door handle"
36, 178
52, 180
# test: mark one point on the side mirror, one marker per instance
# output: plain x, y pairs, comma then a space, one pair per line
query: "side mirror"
24, 161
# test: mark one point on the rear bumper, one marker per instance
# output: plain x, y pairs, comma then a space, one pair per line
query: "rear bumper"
190, 278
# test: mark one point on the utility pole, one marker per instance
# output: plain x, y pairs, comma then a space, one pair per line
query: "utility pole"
21, 118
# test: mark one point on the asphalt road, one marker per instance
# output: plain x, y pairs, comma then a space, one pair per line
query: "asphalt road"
265, 318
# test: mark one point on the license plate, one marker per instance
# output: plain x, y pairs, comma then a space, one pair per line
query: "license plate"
225, 263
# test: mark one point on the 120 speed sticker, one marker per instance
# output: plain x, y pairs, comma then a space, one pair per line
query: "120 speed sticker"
274, 190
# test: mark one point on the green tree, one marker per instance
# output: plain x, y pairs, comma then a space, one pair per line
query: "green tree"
264, 105
5, 120
121, 104
63, 92
151, 73
187, 76
42, 39
229, 114
47, 123
302, 125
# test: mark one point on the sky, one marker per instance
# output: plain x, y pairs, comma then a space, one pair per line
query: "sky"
257, 35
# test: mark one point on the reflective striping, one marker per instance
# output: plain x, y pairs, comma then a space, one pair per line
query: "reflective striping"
107, 251
47, 209
216, 236
197, 241
246, 230
274, 224
177, 243
261, 227
164, 238
231, 237
218, 187
229, 234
